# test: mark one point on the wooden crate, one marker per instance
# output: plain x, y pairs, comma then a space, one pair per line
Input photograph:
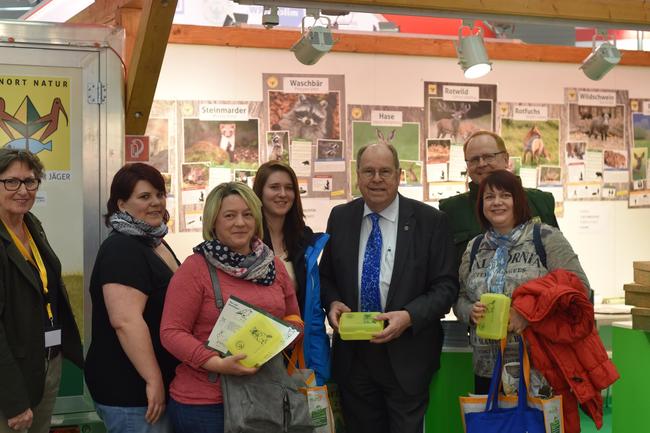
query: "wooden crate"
644, 266
642, 277
641, 318
637, 295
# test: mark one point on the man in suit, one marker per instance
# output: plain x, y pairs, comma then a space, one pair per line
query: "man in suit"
384, 382
486, 152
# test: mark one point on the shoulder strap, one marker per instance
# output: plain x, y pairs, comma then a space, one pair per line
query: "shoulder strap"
218, 298
472, 254
539, 246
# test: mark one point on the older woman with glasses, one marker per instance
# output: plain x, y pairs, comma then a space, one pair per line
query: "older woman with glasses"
37, 326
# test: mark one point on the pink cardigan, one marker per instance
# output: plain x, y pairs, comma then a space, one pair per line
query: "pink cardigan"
190, 314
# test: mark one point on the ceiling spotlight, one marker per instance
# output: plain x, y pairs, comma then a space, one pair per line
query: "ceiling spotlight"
270, 17
314, 43
472, 57
601, 60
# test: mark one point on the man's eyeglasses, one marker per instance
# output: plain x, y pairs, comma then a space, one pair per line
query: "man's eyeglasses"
13, 184
487, 158
369, 173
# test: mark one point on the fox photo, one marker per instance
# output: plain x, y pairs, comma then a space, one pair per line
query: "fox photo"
536, 142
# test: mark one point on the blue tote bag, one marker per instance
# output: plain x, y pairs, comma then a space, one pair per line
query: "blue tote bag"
519, 419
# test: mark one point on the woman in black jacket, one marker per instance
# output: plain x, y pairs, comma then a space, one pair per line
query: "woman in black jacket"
37, 327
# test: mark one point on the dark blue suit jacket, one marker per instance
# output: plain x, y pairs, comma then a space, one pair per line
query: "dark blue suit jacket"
424, 283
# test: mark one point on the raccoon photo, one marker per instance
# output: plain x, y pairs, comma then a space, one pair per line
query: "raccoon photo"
307, 119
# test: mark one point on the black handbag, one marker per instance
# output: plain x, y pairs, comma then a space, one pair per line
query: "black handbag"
266, 402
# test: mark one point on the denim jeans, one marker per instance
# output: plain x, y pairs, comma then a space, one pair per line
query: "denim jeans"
120, 419
196, 418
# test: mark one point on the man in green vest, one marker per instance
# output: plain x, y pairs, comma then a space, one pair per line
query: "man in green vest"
486, 152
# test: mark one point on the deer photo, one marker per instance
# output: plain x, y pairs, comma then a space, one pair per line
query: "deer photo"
450, 125
534, 147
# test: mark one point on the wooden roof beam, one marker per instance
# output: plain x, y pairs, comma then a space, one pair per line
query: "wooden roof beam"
144, 68
387, 43
104, 11
627, 14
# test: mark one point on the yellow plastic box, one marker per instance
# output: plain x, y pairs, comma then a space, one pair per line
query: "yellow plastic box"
494, 325
359, 326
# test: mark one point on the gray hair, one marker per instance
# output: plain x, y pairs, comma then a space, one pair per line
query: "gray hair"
9, 156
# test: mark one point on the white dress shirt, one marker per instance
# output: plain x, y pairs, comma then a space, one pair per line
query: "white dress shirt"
388, 226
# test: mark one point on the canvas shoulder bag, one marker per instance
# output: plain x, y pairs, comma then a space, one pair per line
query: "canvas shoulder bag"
266, 402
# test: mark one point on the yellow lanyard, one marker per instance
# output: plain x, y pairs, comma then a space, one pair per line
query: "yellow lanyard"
37, 261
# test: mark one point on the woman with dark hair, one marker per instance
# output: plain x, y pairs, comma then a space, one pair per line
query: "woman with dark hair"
37, 327
128, 371
285, 232
507, 256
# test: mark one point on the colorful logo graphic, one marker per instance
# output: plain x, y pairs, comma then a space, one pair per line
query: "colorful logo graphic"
33, 116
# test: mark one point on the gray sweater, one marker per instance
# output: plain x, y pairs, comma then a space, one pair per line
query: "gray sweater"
523, 265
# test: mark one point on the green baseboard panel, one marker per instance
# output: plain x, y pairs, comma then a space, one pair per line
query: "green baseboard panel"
631, 401
454, 379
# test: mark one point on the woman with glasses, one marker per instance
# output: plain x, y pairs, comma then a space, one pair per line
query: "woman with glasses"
37, 327
128, 372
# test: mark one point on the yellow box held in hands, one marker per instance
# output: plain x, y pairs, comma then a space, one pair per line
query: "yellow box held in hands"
359, 325
258, 339
494, 325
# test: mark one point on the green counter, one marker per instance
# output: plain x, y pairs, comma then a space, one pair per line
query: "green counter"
631, 393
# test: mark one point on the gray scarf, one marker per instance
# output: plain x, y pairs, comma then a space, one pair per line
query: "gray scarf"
124, 223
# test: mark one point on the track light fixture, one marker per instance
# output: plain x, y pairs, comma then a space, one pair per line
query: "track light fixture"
315, 42
602, 59
472, 56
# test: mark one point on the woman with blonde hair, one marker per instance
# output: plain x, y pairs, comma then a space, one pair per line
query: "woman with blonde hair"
246, 268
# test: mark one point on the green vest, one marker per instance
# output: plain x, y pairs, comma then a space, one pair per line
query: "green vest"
465, 226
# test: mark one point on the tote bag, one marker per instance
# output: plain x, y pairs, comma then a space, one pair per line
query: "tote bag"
495, 418
320, 409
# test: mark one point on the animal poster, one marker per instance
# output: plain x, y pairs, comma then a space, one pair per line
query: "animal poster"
34, 116
454, 111
277, 146
399, 126
531, 132
640, 181
212, 133
162, 133
597, 121
209, 135
309, 110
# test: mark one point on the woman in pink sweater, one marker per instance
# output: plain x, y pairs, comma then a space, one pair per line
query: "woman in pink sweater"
246, 268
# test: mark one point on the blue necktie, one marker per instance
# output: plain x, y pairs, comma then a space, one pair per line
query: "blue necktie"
370, 298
